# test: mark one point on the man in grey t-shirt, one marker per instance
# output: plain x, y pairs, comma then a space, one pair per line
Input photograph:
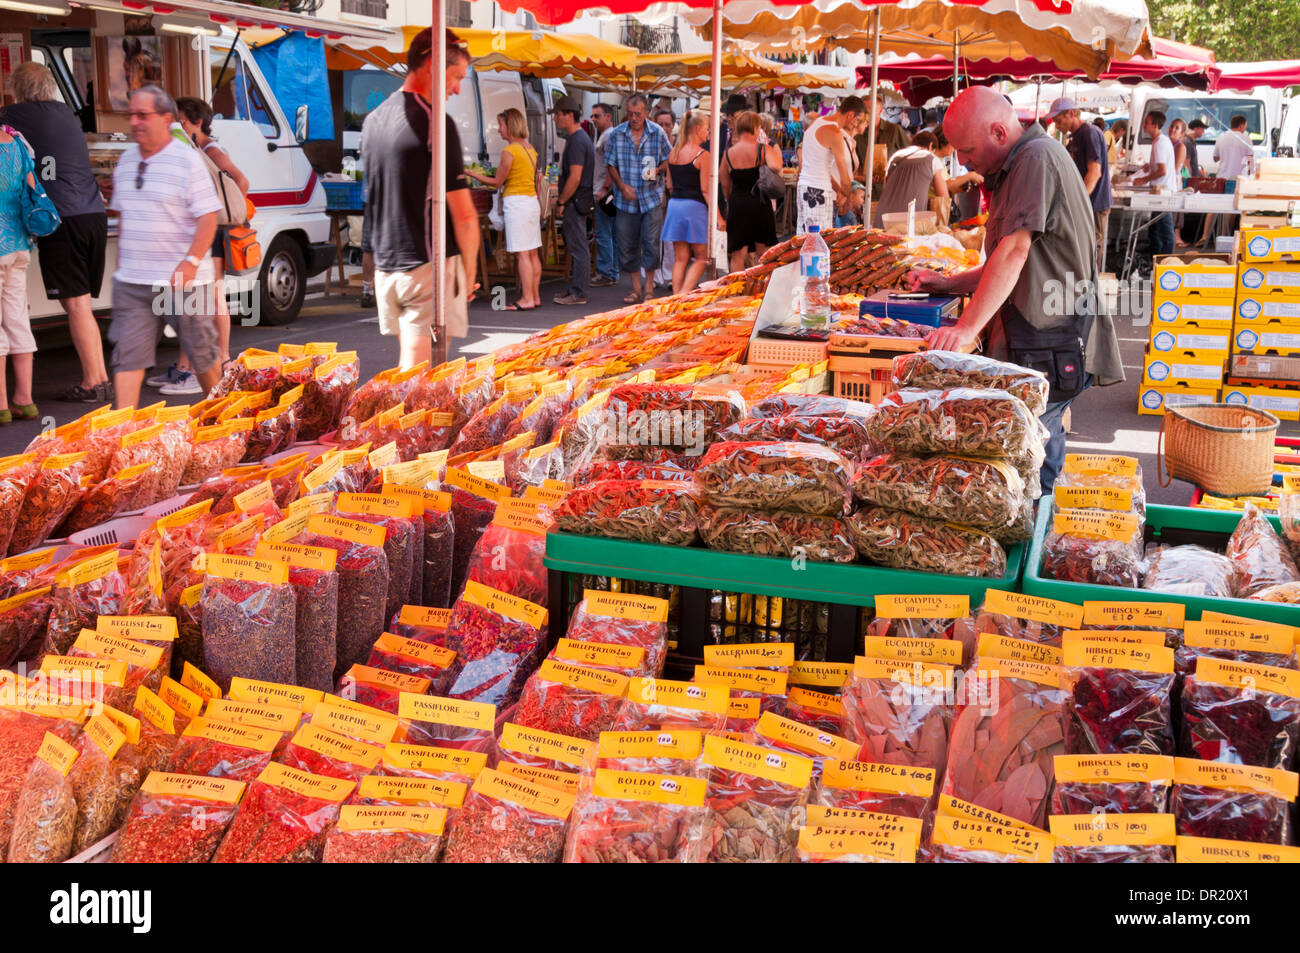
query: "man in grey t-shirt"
1040, 279
576, 200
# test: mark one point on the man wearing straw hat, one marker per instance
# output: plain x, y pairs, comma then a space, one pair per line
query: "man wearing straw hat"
1040, 279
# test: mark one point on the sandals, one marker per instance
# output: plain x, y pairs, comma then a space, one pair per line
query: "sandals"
520, 307
633, 298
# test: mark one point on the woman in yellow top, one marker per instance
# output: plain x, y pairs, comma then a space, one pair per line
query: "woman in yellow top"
520, 206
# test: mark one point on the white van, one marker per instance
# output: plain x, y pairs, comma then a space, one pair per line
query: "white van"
1260, 108
292, 227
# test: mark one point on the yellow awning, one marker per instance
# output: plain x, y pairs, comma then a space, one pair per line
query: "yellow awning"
550, 55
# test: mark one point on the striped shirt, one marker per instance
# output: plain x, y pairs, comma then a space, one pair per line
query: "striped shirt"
158, 220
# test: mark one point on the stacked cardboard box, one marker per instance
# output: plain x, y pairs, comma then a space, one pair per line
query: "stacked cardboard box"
1191, 332
1265, 368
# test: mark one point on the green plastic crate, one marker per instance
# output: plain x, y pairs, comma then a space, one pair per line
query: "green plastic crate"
1174, 524
845, 584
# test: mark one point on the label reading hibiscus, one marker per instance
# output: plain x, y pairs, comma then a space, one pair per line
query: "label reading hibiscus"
1163, 615
1115, 636
1098, 830
1114, 768
1240, 636
1207, 850
1137, 658
1237, 777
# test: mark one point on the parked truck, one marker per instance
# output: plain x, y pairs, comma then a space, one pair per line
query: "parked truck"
87, 49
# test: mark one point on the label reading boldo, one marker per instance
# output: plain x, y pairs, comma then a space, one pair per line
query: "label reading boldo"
1158, 371
1170, 280
1151, 399
1252, 278
1164, 341
1259, 246
1247, 340
1249, 309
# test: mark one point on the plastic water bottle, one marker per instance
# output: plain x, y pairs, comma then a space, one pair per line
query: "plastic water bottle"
815, 270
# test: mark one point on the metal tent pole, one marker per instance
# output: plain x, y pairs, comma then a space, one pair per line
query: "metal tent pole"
438, 182
715, 133
871, 132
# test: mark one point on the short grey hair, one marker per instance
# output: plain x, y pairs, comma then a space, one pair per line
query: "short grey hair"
637, 99
162, 100
34, 83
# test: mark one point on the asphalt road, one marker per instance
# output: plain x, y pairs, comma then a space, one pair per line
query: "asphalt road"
1103, 419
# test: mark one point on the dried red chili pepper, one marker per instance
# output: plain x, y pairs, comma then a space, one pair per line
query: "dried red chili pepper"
647, 511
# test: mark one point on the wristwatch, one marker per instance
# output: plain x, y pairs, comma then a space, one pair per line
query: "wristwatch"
194, 261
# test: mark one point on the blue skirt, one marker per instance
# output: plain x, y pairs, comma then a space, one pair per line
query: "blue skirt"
686, 220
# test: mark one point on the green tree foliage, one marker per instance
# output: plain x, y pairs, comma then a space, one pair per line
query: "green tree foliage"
1233, 29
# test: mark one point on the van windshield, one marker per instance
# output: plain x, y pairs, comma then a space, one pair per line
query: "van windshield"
1214, 111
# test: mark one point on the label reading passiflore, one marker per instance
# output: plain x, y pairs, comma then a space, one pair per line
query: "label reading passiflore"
387, 817
545, 744
527, 794
567, 781
431, 760
479, 716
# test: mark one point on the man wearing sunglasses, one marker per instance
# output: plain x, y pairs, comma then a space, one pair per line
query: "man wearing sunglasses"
167, 219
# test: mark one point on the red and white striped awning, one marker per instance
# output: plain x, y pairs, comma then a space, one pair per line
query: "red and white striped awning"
241, 16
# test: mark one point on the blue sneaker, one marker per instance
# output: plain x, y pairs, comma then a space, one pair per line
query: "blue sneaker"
171, 377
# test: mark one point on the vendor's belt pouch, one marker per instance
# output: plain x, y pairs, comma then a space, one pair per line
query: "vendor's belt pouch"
1058, 353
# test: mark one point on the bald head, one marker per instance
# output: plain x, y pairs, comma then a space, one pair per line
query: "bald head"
982, 126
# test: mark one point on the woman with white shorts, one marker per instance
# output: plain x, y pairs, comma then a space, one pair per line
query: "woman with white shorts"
518, 173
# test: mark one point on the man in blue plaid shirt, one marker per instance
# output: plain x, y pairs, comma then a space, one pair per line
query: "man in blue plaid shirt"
636, 154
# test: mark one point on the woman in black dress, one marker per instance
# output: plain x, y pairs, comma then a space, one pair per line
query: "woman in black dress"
751, 222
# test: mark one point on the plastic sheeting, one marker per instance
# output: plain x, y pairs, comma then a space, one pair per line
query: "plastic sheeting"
294, 65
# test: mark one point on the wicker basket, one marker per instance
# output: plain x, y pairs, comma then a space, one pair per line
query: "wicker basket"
1225, 449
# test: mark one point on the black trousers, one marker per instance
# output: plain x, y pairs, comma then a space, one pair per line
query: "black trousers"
574, 229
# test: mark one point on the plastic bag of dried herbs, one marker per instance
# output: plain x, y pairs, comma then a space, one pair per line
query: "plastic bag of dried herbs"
379, 688
315, 583
283, 818
846, 435
23, 621
1120, 698
1026, 618
327, 389
498, 640
963, 840
900, 711
177, 819
570, 699
1112, 784
274, 429
941, 370
409, 657
508, 556
846, 786
81, 595
363, 583
45, 813
386, 834
1259, 554
647, 511
329, 754
809, 405
222, 749
629, 817
986, 423
473, 506
402, 537
623, 619
669, 751
629, 470
16, 473
439, 528
542, 414
1240, 713
904, 541
655, 703
776, 533
447, 722
487, 428
532, 466
51, 495
215, 448
1001, 746
509, 820
798, 477
105, 777
755, 800
1232, 802
1190, 571
248, 610
984, 494
1104, 549
22, 732
253, 370
104, 500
